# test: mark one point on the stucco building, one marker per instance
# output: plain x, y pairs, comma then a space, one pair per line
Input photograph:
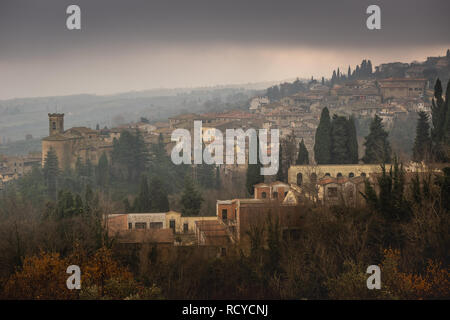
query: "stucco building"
402, 87
74, 143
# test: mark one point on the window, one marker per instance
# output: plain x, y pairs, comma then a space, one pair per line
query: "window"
363, 174
264, 195
332, 192
313, 178
140, 225
327, 174
285, 194
185, 227
172, 224
351, 175
224, 214
275, 195
54, 125
339, 175
156, 225
299, 179
130, 225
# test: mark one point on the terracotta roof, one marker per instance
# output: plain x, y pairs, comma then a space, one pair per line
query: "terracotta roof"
324, 181
80, 130
184, 116
59, 137
236, 114
401, 79
147, 235
261, 184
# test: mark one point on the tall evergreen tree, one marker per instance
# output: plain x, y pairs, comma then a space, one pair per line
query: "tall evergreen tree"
389, 203
218, 180
303, 156
280, 174
102, 171
51, 172
333, 78
253, 175
369, 68
446, 131
339, 140
322, 144
438, 116
80, 169
130, 155
422, 142
158, 194
127, 205
447, 118
353, 141
143, 202
378, 149
191, 199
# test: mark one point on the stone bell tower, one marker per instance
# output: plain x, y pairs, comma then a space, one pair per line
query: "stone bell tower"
56, 123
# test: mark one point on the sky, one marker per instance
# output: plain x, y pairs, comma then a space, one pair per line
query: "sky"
133, 45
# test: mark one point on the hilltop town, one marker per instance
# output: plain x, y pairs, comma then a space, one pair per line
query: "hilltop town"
119, 187
393, 91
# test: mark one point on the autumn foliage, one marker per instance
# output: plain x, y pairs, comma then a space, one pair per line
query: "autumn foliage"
43, 277
433, 283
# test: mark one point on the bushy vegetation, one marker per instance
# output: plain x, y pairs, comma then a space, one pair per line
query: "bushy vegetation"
404, 229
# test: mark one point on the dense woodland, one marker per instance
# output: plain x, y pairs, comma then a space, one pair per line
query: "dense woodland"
52, 218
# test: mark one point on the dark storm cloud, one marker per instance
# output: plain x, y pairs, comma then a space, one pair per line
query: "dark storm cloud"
37, 28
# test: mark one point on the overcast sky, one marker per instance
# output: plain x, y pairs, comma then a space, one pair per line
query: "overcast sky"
144, 44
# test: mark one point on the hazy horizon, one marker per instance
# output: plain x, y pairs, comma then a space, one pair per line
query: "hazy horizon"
143, 45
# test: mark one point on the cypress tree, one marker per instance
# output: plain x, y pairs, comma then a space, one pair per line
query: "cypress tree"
253, 175
218, 182
303, 157
446, 138
378, 149
333, 78
127, 206
158, 194
353, 141
438, 111
80, 169
322, 144
438, 116
339, 140
280, 174
51, 172
191, 199
102, 172
141, 154
143, 202
421, 149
